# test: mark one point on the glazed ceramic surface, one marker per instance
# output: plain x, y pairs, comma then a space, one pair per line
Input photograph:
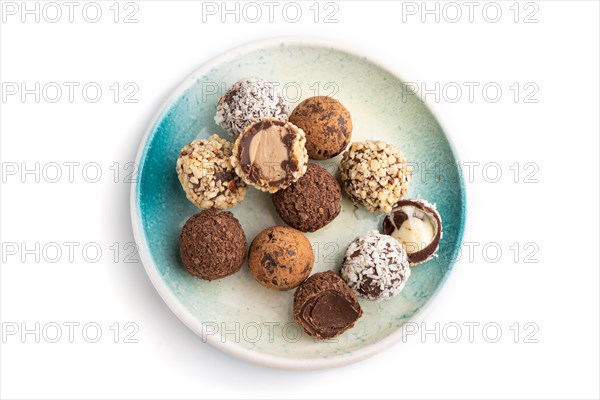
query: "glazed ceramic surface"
236, 314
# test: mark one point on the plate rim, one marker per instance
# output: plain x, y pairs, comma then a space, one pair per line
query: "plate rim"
173, 302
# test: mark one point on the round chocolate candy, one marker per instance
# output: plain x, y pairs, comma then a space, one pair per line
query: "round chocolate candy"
207, 176
312, 202
270, 154
212, 245
280, 258
325, 306
374, 175
247, 101
327, 124
375, 266
417, 225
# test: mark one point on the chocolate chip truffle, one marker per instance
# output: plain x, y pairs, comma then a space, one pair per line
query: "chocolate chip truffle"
327, 125
207, 176
270, 154
250, 100
212, 245
280, 258
375, 266
325, 306
374, 175
310, 203
417, 225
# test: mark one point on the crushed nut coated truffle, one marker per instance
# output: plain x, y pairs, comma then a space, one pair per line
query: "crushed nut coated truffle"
374, 175
207, 176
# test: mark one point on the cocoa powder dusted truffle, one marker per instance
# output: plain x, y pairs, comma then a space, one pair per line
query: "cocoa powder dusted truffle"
374, 175
310, 203
270, 154
327, 125
250, 100
280, 258
375, 266
207, 176
325, 306
417, 226
212, 245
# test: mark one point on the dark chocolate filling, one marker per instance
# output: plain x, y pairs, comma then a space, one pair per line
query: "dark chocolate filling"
398, 217
327, 314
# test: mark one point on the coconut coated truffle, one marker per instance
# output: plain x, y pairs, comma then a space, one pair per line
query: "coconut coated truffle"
247, 101
270, 154
375, 266
325, 306
280, 258
374, 175
212, 245
327, 125
207, 176
310, 203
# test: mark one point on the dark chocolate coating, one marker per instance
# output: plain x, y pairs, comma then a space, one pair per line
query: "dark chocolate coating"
212, 245
397, 217
325, 306
310, 203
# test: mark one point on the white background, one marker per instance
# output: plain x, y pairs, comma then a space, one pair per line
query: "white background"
559, 213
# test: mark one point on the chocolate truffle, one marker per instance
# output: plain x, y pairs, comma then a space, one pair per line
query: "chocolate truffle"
327, 125
325, 306
250, 100
417, 225
270, 154
212, 245
280, 258
374, 175
207, 176
310, 203
375, 266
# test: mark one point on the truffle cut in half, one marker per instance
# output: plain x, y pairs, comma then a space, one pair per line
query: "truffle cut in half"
325, 306
417, 225
270, 154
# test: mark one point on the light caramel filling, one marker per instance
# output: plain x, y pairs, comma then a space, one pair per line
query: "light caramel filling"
268, 152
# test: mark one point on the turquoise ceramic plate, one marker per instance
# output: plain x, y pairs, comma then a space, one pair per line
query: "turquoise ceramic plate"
237, 315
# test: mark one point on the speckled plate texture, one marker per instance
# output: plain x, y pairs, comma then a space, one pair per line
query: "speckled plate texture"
236, 314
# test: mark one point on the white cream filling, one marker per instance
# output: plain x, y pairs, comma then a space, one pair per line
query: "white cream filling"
417, 232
